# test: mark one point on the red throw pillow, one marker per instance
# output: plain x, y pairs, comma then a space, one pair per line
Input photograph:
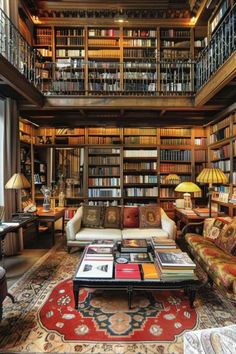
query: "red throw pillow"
149, 216
130, 217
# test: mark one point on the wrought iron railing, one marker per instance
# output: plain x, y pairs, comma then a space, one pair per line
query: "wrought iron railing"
219, 49
15, 48
151, 77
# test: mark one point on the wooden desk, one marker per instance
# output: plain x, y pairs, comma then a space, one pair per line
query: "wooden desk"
184, 217
17, 222
51, 217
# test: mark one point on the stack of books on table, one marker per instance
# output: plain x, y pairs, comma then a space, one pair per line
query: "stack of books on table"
163, 243
133, 246
150, 272
97, 262
175, 265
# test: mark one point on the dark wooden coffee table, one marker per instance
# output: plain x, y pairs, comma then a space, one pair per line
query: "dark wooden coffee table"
190, 286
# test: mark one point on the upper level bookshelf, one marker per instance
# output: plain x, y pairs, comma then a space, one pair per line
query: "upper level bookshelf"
110, 59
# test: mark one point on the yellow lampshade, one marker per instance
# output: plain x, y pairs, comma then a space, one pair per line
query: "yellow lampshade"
211, 176
172, 178
17, 181
187, 187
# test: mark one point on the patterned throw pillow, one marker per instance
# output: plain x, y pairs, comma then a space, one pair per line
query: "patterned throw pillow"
227, 238
208, 223
149, 216
112, 217
218, 225
92, 216
130, 217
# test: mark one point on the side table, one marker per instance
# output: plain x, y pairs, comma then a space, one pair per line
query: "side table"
51, 217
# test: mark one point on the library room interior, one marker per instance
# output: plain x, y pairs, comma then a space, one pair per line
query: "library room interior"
118, 176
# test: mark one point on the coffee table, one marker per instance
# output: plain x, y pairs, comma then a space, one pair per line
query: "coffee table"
190, 286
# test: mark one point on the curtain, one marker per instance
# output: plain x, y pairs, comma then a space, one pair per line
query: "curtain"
11, 166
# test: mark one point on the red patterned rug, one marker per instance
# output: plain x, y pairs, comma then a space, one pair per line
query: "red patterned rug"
106, 315
43, 319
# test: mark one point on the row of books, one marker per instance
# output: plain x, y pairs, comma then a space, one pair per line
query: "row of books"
175, 54
101, 140
104, 182
139, 33
139, 75
104, 192
140, 153
140, 166
104, 151
181, 155
104, 160
200, 141
171, 167
174, 44
70, 53
167, 193
100, 53
139, 42
140, 53
176, 141
176, 132
70, 32
141, 192
200, 155
175, 33
103, 42
220, 135
141, 140
221, 153
176, 87
224, 165
104, 32
140, 179
104, 171
69, 41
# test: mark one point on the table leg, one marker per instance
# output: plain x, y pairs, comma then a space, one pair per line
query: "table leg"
192, 295
63, 224
76, 296
53, 232
130, 293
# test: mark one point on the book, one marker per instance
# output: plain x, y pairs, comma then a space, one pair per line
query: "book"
141, 257
134, 245
95, 269
150, 271
204, 212
104, 243
98, 251
127, 271
175, 259
163, 242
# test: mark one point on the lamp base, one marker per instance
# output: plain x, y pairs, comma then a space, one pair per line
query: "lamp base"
187, 201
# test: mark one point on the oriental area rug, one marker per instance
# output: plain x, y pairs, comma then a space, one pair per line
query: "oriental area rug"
43, 319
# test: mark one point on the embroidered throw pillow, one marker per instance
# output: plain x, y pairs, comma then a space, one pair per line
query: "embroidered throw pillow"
227, 238
218, 225
92, 216
149, 216
208, 223
112, 217
130, 217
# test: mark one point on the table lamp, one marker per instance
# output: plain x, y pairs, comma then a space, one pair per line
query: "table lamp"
211, 176
172, 178
187, 188
18, 181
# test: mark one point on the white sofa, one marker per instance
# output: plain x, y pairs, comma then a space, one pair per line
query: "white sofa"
80, 236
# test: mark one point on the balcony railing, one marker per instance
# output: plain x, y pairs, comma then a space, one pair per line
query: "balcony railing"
149, 78
15, 49
221, 46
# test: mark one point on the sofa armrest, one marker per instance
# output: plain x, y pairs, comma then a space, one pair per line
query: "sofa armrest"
194, 227
73, 226
168, 225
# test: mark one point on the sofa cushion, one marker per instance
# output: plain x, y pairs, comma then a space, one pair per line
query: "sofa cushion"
92, 216
130, 217
149, 216
227, 238
112, 217
143, 233
92, 234
218, 225
208, 223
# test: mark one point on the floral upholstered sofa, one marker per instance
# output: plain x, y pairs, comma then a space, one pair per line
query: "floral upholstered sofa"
214, 248
118, 222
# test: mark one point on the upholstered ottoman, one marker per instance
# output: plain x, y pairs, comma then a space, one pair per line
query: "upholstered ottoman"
212, 340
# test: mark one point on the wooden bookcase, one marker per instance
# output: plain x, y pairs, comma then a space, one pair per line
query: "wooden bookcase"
114, 59
222, 154
124, 165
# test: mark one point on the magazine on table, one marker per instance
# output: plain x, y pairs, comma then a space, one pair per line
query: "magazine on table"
95, 269
175, 259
